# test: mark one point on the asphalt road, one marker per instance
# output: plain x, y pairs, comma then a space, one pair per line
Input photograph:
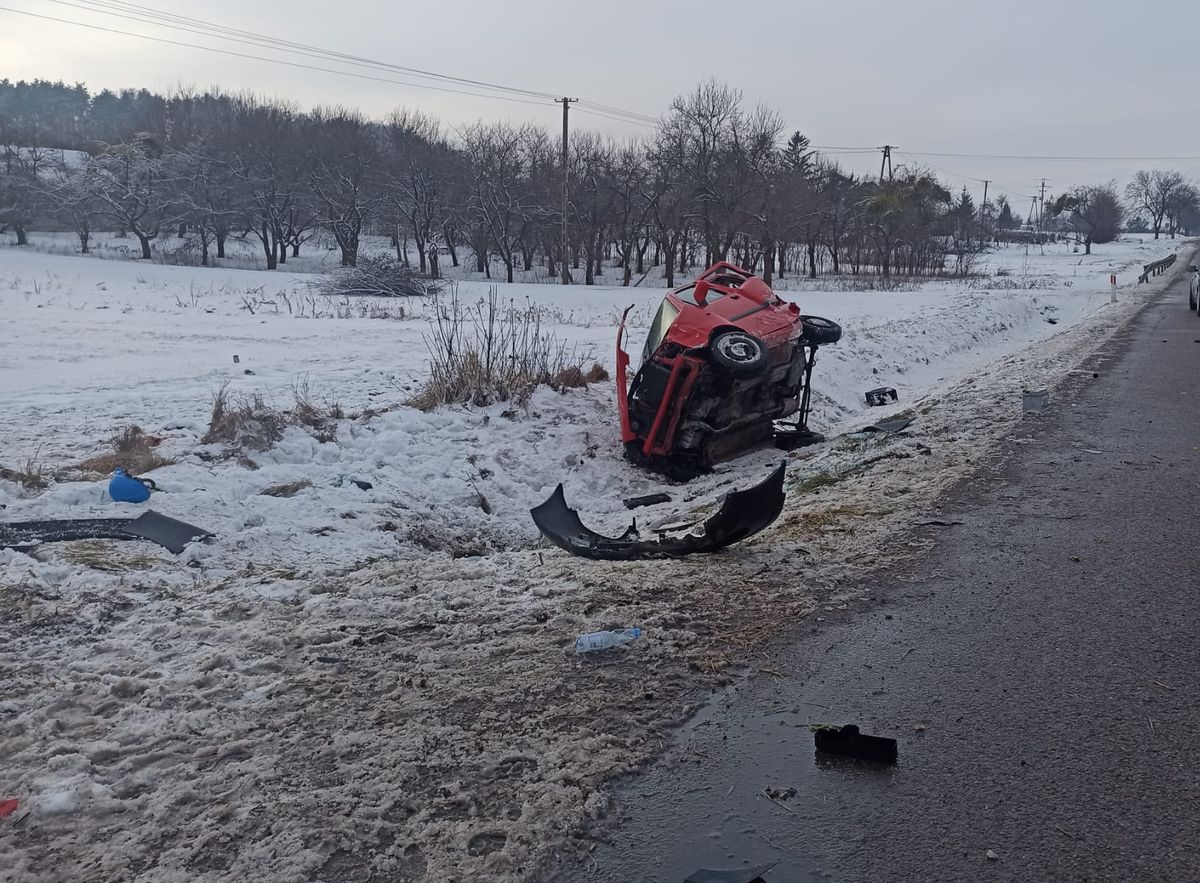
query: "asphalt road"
1039, 666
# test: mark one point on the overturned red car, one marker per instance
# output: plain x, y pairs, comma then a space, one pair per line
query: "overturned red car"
725, 359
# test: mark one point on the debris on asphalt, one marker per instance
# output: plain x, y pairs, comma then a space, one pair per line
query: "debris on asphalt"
647, 500
594, 641
847, 741
891, 424
749, 874
742, 514
992, 855
881, 396
779, 793
1034, 400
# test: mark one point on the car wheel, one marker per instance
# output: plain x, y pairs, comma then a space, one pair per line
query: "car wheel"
738, 353
820, 331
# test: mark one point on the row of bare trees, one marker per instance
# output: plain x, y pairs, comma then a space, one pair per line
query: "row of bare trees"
716, 180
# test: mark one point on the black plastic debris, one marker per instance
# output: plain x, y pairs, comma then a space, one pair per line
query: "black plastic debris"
792, 437
742, 514
647, 500
170, 533
881, 396
748, 874
891, 424
847, 741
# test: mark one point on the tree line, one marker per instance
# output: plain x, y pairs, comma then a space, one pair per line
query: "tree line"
716, 180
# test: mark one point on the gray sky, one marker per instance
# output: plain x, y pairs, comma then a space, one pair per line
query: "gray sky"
1051, 77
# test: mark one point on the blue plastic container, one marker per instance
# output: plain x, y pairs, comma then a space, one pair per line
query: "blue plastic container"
124, 488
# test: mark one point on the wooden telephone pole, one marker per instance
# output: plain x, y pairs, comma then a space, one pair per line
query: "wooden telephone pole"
564, 265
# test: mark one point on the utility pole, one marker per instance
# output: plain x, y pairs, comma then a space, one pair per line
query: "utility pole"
565, 265
1042, 205
985, 185
886, 161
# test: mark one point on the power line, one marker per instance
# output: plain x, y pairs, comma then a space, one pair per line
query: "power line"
617, 119
136, 12
620, 112
1059, 158
139, 13
251, 57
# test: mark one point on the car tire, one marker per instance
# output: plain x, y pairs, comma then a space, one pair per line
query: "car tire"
819, 332
738, 353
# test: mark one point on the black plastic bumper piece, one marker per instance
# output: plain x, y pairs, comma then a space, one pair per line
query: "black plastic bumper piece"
742, 514
169, 533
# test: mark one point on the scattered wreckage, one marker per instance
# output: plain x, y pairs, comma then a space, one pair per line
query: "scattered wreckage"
742, 514
725, 362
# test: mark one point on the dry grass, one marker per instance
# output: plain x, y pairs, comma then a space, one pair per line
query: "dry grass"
112, 557
32, 475
243, 422
494, 352
286, 489
131, 449
247, 422
320, 419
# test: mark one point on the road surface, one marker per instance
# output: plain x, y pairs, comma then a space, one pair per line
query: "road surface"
1039, 665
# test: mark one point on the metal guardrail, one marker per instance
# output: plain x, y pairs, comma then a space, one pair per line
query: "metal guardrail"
1155, 268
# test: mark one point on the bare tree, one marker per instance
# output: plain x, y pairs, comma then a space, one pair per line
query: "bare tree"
1152, 192
132, 189
1185, 199
21, 185
270, 169
417, 164
343, 155
498, 199
71, 200
1094, 212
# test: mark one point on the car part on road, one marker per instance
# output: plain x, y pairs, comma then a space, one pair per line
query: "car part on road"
724, 359
1033, 401
647, 500
891, 424
742, 514
170, 533
748, 874
847, 741
881, 396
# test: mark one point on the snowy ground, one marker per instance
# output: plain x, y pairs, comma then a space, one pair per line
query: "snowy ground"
346, 683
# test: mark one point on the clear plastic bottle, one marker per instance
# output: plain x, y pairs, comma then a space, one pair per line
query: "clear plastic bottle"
604, 640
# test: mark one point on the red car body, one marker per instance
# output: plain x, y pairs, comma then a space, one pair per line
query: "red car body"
725, 358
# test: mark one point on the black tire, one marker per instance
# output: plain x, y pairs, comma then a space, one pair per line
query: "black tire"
819, 332
738, 354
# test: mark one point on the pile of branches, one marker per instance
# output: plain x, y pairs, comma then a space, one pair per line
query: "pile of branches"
379, 276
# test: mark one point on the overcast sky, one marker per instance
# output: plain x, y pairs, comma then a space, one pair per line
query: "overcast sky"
1051, 77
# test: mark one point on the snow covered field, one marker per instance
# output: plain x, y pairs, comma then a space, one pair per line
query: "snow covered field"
346, 682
